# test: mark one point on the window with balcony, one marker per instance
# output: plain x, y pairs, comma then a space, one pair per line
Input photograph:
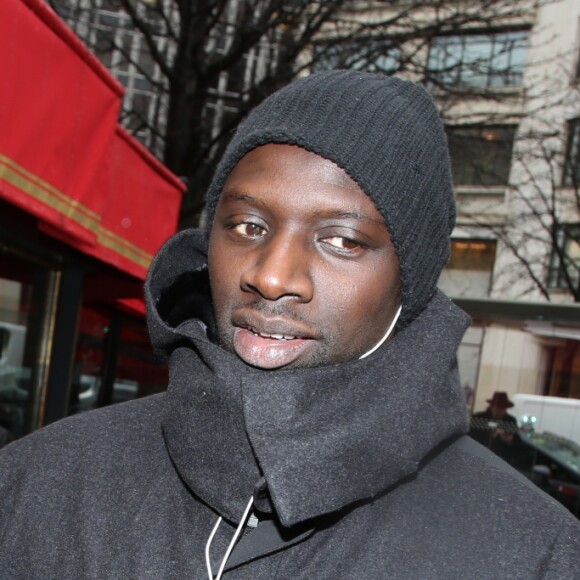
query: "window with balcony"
375, 55
481, 155
571, 175
478, 61
564, 269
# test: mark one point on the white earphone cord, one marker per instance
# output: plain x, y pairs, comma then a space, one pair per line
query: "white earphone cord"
231, 545
391, 327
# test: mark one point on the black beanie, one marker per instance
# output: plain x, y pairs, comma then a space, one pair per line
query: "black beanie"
387, 135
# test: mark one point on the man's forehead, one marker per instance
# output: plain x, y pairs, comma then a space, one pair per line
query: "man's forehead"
293, 157
299, 177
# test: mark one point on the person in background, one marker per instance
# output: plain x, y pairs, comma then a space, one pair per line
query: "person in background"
496, 428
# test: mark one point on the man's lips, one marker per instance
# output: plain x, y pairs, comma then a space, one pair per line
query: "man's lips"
269, 342
275, 336
271, 326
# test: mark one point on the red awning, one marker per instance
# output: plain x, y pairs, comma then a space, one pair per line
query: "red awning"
142, 205
63, 157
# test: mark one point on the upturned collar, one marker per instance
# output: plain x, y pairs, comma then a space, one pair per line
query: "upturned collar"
321, 439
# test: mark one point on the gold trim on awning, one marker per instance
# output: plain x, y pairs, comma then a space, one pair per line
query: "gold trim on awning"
42, 191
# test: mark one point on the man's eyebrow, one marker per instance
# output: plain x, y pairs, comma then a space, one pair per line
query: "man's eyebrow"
353, 215
236, 195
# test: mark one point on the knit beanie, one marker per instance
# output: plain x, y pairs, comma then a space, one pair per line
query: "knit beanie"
386, 134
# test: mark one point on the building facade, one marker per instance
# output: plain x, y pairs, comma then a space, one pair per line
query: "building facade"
506, 78
515, 166
507, 84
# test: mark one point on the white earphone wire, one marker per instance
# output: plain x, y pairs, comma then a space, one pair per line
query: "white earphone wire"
231, 545
395, 318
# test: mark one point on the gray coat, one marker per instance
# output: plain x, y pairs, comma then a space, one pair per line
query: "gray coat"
355, 469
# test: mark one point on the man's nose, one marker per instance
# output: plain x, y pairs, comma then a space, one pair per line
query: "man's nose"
281, 268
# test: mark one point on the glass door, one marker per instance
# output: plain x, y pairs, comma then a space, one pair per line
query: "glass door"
27, 313
113, 360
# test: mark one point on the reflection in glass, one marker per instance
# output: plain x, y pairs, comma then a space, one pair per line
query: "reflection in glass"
481, 155
88, 366
26, 314
479, 61
138, 371
114, 361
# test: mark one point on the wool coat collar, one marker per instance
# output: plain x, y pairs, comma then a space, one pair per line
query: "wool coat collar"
309, 441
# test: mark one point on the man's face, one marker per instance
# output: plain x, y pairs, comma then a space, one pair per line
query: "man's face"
302, 269
497, 411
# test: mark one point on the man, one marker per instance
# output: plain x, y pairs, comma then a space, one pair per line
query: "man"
312, 426
497, 430
496, 410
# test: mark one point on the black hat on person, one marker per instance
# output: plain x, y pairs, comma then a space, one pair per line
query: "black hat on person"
500, 400
387, 135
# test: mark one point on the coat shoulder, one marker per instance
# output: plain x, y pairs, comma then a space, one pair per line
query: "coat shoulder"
110, 428
108, 448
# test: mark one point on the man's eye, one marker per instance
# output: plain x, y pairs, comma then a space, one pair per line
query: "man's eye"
249, 230
342, 243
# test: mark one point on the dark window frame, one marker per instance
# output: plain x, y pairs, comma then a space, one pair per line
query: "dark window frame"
475, 160
571, 173
487, 258
363, 54
577, 72
561, 261
503, 67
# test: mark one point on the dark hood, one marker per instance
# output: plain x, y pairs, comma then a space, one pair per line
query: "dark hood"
322, 439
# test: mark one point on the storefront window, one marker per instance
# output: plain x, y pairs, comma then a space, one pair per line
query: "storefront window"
114, 361
27, 299
138, 372
89, 360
